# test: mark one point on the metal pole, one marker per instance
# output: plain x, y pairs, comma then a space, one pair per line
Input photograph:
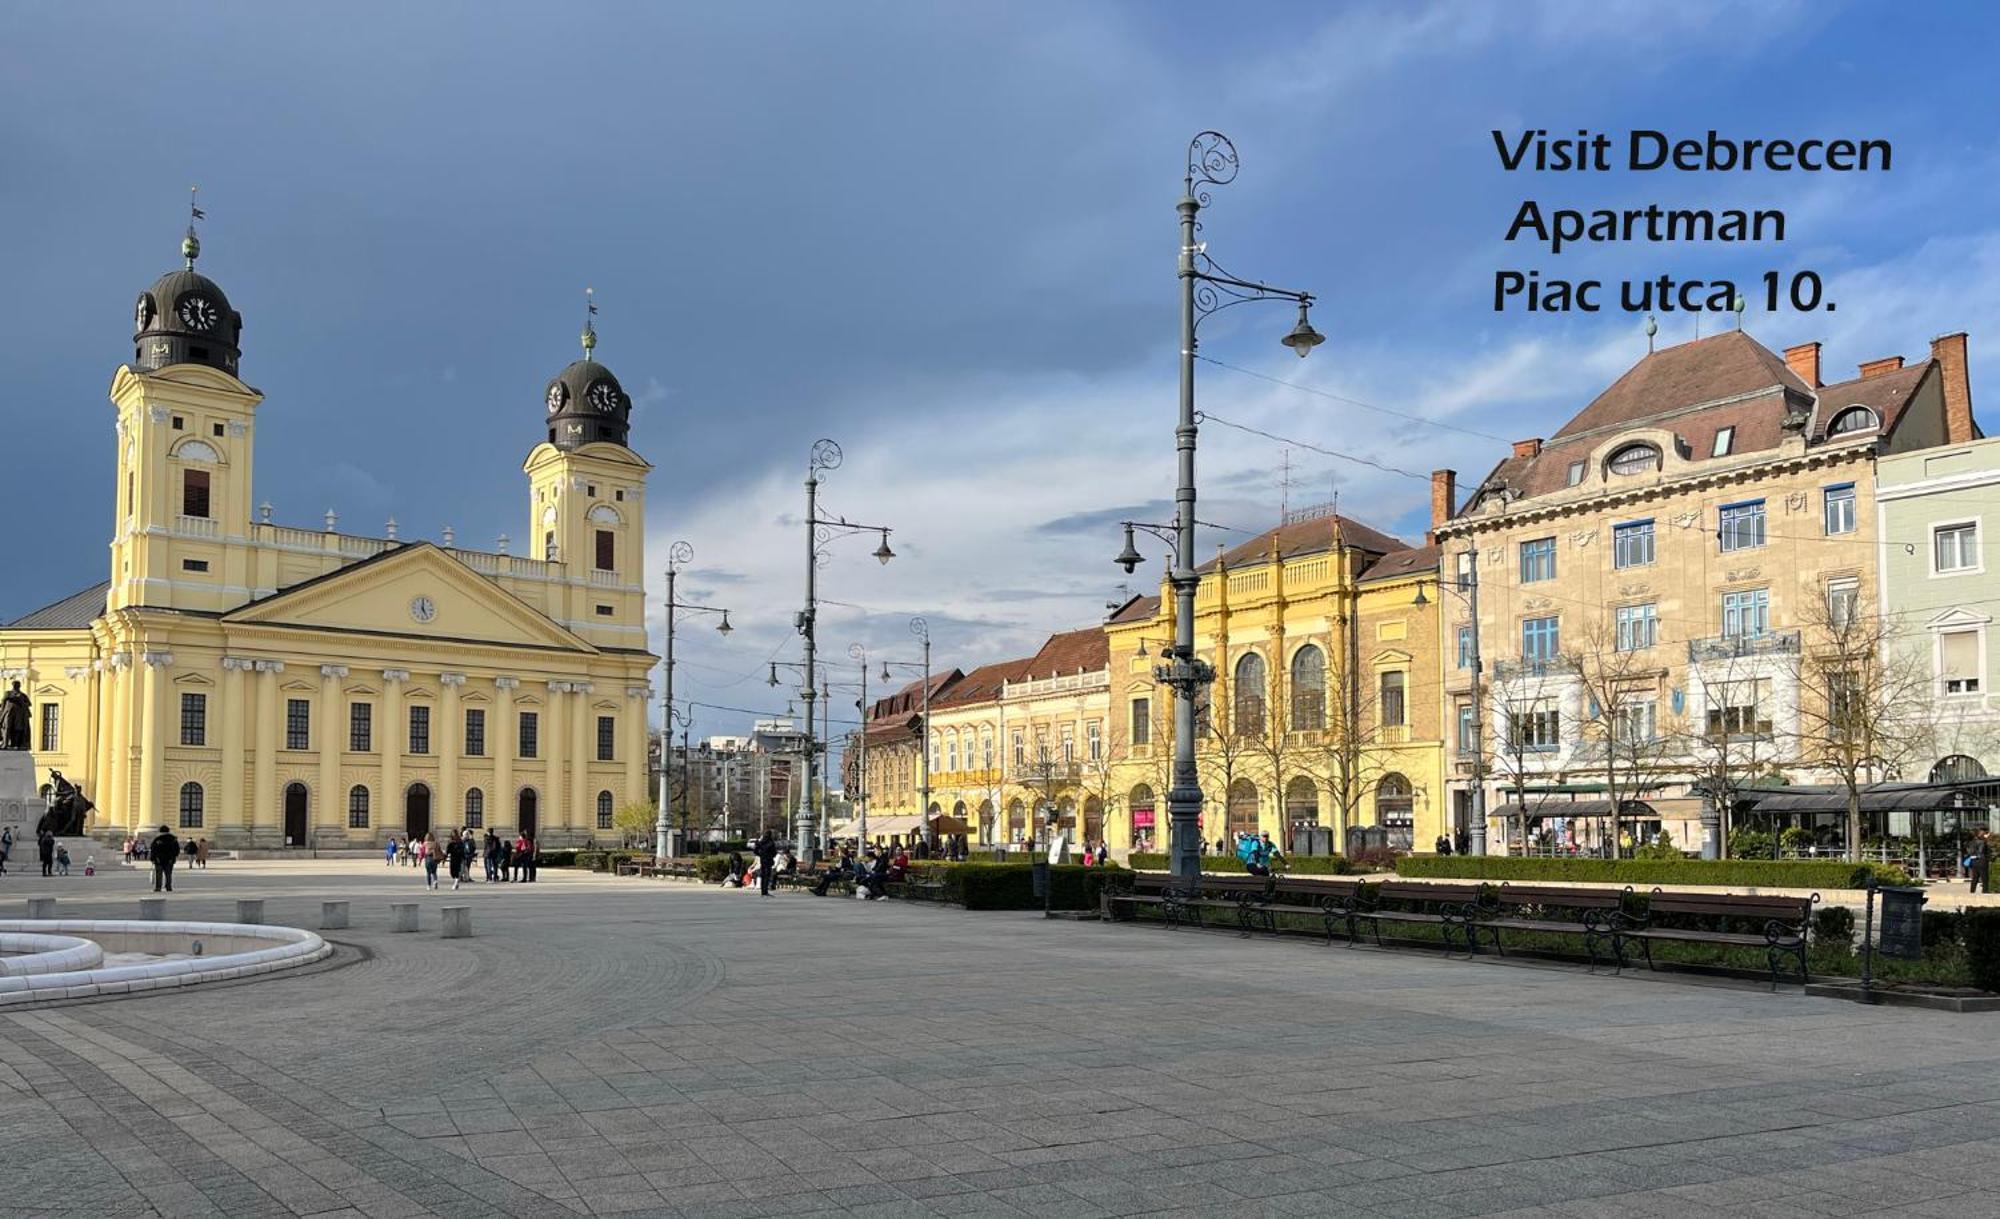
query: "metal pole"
808, 847
861, 769
1477, 830
825, 763
1184, 794
662, 828
924, 759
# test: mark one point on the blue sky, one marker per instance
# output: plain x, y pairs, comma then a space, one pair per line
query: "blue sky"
942, 234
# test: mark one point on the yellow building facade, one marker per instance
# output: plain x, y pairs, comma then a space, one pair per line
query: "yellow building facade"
264, 685
1324, 710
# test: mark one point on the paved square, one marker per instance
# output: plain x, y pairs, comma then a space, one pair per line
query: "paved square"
640, 1047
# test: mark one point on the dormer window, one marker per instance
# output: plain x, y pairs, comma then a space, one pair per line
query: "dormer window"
1634, 459
1575, 473
1853, 419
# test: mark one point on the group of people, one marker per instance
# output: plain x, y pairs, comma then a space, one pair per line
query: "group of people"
872, 876
196, 852
506, 859
768, 861
54, 854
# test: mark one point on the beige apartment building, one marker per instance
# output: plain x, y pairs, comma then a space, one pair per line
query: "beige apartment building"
1656, 583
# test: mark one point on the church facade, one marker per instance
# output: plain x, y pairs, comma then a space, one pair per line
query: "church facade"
265, 685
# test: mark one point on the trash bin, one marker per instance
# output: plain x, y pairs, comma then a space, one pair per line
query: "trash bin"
1041, 878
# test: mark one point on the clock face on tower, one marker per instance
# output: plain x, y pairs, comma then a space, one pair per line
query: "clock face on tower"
422, 608
142, 313
197, 312
604, 396
558, 394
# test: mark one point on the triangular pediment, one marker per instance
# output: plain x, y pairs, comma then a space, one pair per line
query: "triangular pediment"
414, 590
1957, 617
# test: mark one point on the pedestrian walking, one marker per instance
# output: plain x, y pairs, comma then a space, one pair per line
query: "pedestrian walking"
1981, 862
6, 848
492, 854
767, 856
201, 853
454, 856
506, 860
62, 860
530, 856
45, 846
165, 850
427, 852
389, 852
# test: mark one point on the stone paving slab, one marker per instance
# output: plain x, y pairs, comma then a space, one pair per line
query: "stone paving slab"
632, 1047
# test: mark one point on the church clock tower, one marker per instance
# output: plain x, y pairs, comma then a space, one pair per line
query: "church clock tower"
586, 502
186, 427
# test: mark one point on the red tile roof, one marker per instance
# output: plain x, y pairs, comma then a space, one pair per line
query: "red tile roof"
1308, 537
1069, 652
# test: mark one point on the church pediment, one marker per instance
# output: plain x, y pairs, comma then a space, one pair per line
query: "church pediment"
414, 590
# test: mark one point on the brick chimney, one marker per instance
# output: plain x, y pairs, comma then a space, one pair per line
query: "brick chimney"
1875, 368
1949, 352
1528, 448
1803, 360
1444, 499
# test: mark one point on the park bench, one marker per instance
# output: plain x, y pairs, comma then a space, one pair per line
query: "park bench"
1546, 909
638, 867
1782, 925
1303, 896
916, 887
1215, 893
679, 870
1440, 906
1139, 891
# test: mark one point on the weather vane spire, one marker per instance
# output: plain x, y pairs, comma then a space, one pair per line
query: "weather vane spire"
589, 321
191, 244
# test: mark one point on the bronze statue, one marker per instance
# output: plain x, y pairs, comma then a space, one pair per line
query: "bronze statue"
67, 807
16, 712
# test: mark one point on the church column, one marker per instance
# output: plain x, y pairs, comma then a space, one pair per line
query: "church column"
503, 738
232, 725
451, 743
582, 748
153, 688
635, 743
552, 813
267, 818
395, 736
332, 805
117, 796
81, 719
109, 813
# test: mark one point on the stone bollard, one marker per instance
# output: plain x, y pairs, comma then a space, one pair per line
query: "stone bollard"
457, 922
153, 909
332, 915
41, 907
250, 910
405, 916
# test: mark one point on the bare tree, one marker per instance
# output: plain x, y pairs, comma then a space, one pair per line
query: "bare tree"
1527, 718
1620, 736
1735, 744
1347, 752
1867, 706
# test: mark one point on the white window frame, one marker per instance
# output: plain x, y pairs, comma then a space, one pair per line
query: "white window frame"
1978, 632
1646, 615
1631, 529
1757, 599
1826, 502
1978, 526
1843, 584
1723, 532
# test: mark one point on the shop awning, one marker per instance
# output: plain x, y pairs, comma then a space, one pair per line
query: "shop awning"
1559, 808
945, 823
878, 827
1917, 798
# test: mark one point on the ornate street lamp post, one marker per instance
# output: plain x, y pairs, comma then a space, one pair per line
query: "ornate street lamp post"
820, 531
678, 555
1205, 289
1465, 583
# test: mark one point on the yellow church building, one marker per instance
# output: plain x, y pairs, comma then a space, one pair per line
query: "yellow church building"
263, 685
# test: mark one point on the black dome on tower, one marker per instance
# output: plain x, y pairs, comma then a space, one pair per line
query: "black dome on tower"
185, 318
586, 404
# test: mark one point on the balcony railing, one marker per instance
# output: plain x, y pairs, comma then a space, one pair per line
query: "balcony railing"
1732, 647
1554, 666
197, 526
1052, 771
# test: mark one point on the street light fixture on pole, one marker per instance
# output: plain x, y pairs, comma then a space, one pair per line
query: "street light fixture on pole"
922, 630
1466, 584
820, 531
677, 555
860, 800
1205, 289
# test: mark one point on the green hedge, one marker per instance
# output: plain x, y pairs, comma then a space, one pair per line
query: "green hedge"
1980, 927
1761, 873
710, 869
556, 859
1011, 886
1295, 865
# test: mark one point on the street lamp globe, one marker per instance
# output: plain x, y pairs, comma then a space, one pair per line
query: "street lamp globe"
724, 628
1129, 558
1303, 337
882, 553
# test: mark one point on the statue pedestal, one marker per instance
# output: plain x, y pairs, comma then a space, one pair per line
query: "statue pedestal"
21, 804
